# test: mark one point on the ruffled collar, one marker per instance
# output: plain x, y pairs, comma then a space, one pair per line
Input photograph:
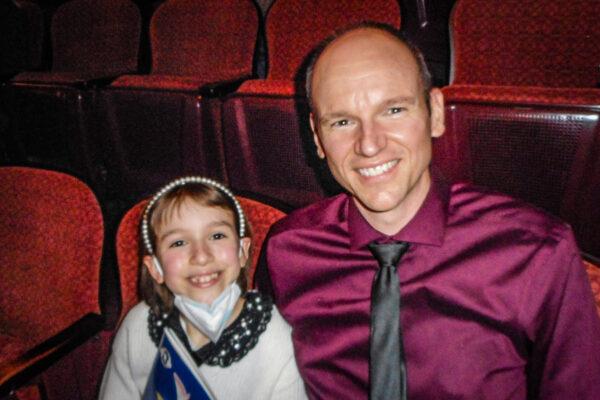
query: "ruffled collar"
236, 341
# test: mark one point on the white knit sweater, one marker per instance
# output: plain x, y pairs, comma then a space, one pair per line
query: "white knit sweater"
268, 371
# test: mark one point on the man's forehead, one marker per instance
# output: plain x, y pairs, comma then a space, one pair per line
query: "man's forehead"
363, 52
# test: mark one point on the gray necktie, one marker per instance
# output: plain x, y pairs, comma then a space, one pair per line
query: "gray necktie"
387, 369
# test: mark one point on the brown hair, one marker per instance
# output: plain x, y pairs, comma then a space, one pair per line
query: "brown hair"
156, 295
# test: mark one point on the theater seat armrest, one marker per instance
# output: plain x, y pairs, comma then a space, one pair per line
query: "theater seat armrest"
221, 88
16, 372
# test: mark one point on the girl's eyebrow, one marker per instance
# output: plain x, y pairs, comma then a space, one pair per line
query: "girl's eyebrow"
176, 230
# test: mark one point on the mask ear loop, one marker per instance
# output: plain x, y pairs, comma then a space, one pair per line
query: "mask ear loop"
241, 251
157, 265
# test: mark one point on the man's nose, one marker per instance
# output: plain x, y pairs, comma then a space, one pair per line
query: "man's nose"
371, 139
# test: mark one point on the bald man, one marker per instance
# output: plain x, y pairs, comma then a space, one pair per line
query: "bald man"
495, 303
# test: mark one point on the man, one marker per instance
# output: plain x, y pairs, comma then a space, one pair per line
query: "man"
494, 302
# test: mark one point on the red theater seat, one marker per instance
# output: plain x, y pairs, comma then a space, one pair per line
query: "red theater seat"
167, 123
268, 144
51, 247
93, 41
522, 110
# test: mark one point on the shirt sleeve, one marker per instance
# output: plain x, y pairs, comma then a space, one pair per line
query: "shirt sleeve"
565, 328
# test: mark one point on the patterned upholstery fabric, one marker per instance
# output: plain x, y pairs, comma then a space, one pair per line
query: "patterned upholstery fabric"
523, 95
552, 43
99, 36
259, 215
268, 87
546, 154
306, 23
91, 39
128, 256
593, 272
195, 43
156, 81
51, 235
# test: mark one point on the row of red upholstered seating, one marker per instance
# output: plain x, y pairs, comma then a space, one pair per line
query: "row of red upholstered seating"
66, 281
142, 129
522, 109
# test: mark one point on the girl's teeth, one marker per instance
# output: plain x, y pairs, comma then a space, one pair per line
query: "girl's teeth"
204, 278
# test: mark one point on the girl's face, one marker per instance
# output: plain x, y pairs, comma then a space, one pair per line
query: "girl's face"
199, 250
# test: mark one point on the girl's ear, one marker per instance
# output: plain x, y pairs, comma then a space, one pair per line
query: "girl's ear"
154, 268
244, 250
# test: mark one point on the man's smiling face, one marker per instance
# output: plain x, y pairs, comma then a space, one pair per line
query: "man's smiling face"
373, 125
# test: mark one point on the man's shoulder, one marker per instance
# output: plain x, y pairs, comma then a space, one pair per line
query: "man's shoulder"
487, 207
313, 216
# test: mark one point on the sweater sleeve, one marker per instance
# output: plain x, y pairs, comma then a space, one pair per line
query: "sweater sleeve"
130, 363
289, 384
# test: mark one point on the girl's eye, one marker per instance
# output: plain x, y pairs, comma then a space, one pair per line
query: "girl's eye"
218, 236
177, 243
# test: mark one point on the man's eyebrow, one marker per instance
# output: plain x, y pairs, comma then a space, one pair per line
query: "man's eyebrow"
330, 116
400, 100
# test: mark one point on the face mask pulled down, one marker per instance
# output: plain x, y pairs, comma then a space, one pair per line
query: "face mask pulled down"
210, 319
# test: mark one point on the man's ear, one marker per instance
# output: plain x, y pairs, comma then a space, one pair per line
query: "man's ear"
244, 250
436, 103
314, 129
154, 269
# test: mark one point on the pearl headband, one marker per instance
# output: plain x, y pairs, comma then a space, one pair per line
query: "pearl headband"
182, 182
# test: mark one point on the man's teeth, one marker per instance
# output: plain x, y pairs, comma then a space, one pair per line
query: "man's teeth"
378, 170
204, 278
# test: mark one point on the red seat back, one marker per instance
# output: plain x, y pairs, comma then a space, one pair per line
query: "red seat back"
294, 28
210, 39
553, 43
51, 238
96, 36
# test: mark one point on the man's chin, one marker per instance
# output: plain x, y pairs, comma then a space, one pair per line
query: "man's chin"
377, 205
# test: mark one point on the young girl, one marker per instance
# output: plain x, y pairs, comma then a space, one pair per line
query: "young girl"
193, 283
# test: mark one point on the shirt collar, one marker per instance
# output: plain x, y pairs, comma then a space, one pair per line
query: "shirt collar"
427, 226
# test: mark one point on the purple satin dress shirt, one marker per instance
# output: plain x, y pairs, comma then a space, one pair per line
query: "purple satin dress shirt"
495, 301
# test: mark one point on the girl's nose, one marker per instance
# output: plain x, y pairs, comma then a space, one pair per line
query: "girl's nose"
201, 254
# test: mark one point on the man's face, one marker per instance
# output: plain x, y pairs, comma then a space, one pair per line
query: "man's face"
371, 122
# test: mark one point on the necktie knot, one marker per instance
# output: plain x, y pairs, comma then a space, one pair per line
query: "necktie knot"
388, 254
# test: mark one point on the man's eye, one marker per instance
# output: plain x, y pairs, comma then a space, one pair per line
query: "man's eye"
218, 236
395, 110
177, 243
340, 123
